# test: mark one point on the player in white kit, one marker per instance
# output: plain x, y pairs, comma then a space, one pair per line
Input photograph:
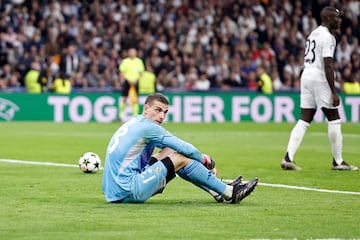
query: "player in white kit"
318, 91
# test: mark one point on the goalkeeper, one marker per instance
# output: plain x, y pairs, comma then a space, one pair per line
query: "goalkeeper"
132, 174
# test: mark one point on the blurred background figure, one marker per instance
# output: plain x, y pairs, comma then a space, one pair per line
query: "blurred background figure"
131, 69
147, 82
62, 84
350, 85
264, 81
202, 83
33, 79
70, 61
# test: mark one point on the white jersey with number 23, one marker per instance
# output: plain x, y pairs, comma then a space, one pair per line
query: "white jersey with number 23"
319, 45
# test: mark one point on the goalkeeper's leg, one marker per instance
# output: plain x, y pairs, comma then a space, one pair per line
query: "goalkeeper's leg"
190, 175
196, 172
217, 196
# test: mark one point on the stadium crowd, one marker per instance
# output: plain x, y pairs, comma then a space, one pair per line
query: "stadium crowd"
188, 44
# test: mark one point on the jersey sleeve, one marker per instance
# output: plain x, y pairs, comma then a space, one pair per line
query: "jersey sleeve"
163, 138
329, 45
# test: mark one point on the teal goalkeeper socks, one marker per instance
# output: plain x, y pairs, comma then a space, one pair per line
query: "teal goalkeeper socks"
196, 173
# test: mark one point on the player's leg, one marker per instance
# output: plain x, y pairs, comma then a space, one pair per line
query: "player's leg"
217, 196
336, 139
334, 133
167, 151
196, 173
199, 175
208, 162
134, 99
150, 181
298, 132
308, 110
296, 137
124, 94
325, 101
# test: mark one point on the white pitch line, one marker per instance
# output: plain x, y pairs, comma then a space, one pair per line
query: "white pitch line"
260, 183
308, 189
37, 163
300, 188
40, 163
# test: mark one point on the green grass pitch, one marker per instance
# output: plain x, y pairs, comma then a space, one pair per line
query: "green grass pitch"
54, 202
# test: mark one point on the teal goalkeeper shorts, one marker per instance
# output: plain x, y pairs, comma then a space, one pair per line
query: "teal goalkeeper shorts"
146, 184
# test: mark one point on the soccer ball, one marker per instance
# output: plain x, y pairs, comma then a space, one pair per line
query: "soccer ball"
89, 162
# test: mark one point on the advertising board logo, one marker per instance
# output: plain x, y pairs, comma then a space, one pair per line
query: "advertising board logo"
7, 109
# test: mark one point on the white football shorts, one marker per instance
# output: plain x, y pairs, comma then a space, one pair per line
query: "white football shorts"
315, 93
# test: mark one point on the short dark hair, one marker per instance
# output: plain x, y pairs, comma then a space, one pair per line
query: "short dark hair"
156, 97
327, 11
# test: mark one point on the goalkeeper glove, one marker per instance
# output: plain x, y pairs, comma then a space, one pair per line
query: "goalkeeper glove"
209, 163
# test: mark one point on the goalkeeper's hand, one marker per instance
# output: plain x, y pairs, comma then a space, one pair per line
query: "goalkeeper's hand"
209, 163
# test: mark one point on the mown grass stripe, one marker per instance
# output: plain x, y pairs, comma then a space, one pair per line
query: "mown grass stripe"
260, 183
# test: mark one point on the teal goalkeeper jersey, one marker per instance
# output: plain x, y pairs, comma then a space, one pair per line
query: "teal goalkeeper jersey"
130, 149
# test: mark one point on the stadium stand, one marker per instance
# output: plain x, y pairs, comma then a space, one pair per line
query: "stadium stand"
222, 41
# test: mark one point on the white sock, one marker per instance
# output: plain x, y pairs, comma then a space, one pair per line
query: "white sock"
296, 137
335, 138
228, 192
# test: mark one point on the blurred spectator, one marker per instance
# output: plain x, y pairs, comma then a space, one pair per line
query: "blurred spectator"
14, 83
52, 12
163, 82
176, 77
350, 84
10, 36
79, 82
147, 82
276, 82
191, 76
202, 83
264, 81
70, 61
343, 51
246, 68
308, 22
52, 47
246, 22
252, 81
93, 76
5, 76
291, 71
61, 84
48, 75
4, 48
267, 53
233, 81
33, 79
354, 7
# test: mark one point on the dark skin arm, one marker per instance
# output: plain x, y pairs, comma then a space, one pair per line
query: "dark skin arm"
329, 72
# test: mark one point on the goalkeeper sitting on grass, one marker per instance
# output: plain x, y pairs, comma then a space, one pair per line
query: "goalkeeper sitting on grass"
132, 174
